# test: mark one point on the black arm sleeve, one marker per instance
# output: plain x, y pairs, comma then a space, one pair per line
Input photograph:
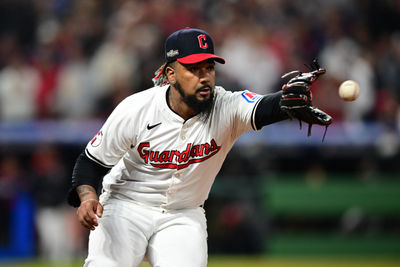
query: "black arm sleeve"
85, 172
268, 110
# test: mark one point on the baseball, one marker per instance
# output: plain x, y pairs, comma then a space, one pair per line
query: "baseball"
349, 90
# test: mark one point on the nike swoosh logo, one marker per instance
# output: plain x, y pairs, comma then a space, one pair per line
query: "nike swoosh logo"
149, 127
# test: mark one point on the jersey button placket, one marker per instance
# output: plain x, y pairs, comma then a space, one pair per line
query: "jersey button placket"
183, 133
178, 174
171, 191
175, 177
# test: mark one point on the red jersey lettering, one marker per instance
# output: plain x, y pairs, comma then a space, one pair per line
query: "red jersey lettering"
173, 159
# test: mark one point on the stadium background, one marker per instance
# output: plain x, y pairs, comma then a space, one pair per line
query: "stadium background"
280, 195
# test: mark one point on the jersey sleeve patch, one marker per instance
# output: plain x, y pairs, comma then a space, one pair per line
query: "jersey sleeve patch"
96, 141
250, 96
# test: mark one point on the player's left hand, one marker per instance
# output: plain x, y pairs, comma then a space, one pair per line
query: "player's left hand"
88, 212
296, 98
296, 94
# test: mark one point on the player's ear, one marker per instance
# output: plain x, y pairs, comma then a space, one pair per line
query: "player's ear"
170, 72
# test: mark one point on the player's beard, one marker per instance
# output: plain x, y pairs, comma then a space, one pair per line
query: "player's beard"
202, 107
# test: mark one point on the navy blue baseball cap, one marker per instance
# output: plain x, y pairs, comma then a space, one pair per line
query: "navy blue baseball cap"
189, 46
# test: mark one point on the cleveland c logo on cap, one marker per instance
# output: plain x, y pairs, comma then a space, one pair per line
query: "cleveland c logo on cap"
190, 46
202, 41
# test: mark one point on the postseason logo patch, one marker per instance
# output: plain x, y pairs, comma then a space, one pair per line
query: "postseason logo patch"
250, 96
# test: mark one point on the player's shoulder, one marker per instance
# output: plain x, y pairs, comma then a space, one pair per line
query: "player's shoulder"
146, 97
242, 95
220, 92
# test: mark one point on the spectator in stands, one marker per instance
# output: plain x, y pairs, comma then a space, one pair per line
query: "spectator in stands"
49, 183
19, 84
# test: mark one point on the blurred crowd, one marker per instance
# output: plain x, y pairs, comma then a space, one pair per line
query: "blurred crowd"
40, 176
77, 59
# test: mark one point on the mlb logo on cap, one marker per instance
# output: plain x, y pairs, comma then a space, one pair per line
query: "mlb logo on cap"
189, 46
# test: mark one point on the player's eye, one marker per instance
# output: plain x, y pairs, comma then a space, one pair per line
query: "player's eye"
193, 69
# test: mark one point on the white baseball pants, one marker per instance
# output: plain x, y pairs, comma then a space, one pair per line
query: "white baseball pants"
128, 232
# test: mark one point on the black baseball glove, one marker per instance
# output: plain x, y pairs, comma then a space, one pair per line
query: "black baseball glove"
296, 98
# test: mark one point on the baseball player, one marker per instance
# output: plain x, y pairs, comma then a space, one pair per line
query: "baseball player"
159, 151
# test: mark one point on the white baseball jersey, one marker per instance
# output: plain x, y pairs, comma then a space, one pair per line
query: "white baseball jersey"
158, 158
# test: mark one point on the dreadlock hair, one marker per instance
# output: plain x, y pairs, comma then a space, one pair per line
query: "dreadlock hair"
160, 78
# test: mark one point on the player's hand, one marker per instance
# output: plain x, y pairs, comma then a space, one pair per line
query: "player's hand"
88, 213
296, 97
296, 94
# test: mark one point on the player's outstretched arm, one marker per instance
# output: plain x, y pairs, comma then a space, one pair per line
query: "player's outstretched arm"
268, 110
89, 208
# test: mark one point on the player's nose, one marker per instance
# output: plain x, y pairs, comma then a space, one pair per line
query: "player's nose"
205, 75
